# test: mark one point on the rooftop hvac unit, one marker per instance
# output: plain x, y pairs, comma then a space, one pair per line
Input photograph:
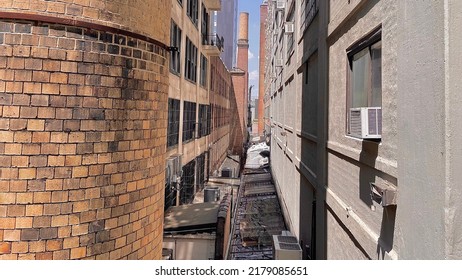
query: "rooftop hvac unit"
226, 173
366, 122
286, 247
279, 62
211, 194
280, 4
173, 169
289, 27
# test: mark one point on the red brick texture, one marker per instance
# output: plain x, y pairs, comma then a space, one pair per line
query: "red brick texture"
81, 118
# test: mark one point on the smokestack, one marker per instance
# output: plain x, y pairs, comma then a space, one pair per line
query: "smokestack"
243, 26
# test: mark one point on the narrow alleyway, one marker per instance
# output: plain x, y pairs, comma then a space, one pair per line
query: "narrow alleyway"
258, 217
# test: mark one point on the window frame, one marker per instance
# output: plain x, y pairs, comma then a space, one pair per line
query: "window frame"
173, 126
190, 68
363, 45
189, 121
203, 72
192, 11
175, 41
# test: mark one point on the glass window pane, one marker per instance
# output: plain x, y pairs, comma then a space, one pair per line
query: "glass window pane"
376, 68
360, 79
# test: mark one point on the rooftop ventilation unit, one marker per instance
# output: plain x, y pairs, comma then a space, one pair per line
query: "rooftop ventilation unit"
286, 247
226, 173
366, 122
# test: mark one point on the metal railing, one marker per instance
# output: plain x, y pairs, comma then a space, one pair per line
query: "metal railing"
213, 40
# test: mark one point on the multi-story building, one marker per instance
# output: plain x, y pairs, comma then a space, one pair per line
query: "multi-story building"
361, 106
83, 115
198, 134
225, 25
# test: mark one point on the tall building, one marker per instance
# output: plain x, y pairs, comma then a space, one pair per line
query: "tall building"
362, 107
225, 25
199, 102
83, 107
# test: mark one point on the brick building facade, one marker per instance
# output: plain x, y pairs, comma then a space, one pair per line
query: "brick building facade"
83, 102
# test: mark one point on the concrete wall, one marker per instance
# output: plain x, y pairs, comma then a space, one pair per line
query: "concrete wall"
429, 110
83, 124
353, 163
286, 94
420, 102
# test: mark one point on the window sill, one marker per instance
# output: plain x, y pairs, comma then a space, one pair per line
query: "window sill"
191, 81
175, 73
371, 140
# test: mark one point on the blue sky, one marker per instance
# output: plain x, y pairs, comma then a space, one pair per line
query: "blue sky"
253, 8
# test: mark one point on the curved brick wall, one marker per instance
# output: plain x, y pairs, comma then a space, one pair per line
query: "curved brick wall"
140, 16
82, 137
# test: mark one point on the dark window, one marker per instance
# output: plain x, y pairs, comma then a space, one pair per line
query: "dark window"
191, 61
205, 26
200, 171
203, 77
175, 41
173, 122
189, 120
187, 188
309, 11
204, 120
170, 193
192, 11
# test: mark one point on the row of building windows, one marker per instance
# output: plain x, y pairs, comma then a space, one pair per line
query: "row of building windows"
191, 56
220, 116
218, 83
192, 10
189, 121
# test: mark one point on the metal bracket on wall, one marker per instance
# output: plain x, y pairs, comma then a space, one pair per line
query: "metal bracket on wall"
383, 194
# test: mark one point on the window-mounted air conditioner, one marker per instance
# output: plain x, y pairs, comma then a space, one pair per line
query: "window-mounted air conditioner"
366, 122
280, 4
279, 62
173, 169
286, 247
289, 27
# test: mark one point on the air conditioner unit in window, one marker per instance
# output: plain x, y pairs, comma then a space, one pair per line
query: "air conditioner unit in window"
173, 169
289, 27
280, 4
286, 247
366, 122
279, 62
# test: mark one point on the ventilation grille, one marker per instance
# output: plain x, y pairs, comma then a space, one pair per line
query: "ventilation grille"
287, 239
355, 122
366, 122
289, 246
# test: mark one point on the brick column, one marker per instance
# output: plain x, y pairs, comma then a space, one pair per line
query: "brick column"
83, 107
